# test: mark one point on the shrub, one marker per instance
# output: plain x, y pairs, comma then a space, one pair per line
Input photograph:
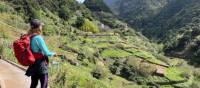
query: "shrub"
5, 8
133, 61
195, 85
196, 73
146, 69
79, 22
99, 72
49, 30
88, 26
34, 13
64, 13
8, 54
61, 78
1, 49
58, 76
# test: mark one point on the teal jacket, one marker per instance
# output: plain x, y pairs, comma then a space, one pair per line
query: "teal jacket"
40, 67
38, 45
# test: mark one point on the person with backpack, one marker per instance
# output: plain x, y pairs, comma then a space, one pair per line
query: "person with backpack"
39, 69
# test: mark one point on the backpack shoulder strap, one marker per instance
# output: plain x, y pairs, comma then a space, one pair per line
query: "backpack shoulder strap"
32, 36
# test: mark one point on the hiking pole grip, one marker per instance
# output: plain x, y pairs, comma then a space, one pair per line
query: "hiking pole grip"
62, 57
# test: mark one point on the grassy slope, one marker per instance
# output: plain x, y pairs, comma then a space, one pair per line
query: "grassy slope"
72, 71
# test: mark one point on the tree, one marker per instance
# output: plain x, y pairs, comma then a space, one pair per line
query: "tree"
64, 13
79, 22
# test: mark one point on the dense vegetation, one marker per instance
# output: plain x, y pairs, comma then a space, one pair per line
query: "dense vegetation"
175, 23
136, 12
101, 50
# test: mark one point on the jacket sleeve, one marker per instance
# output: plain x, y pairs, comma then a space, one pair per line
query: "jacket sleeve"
43, 47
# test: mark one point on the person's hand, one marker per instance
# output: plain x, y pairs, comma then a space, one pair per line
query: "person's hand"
58, 55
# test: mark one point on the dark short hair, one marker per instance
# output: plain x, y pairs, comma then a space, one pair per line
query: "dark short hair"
35, 23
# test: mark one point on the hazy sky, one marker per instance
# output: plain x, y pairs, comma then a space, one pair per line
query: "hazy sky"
81, 1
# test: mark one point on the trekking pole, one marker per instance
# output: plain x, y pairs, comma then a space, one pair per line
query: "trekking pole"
59, 37
16, 23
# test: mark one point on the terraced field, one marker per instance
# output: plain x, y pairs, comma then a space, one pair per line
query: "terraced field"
108, 59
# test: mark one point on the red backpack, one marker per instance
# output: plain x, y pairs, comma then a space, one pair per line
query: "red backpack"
23, 53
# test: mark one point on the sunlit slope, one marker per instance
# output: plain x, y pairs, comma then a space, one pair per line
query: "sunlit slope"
111, 58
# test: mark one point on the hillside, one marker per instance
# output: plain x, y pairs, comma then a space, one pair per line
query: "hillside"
185, 23
136, 12
171, 22
105, 50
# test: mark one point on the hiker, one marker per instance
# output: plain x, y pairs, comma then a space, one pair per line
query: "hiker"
39, 70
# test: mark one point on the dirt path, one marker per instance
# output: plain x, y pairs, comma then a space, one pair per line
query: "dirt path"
12, 77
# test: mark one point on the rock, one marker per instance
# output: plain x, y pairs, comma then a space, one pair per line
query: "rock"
161, 71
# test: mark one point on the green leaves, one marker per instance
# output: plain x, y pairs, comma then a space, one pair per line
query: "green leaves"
89, 26
49, 30
65, 13
5, 7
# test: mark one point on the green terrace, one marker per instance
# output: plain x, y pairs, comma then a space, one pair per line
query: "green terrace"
134, 58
